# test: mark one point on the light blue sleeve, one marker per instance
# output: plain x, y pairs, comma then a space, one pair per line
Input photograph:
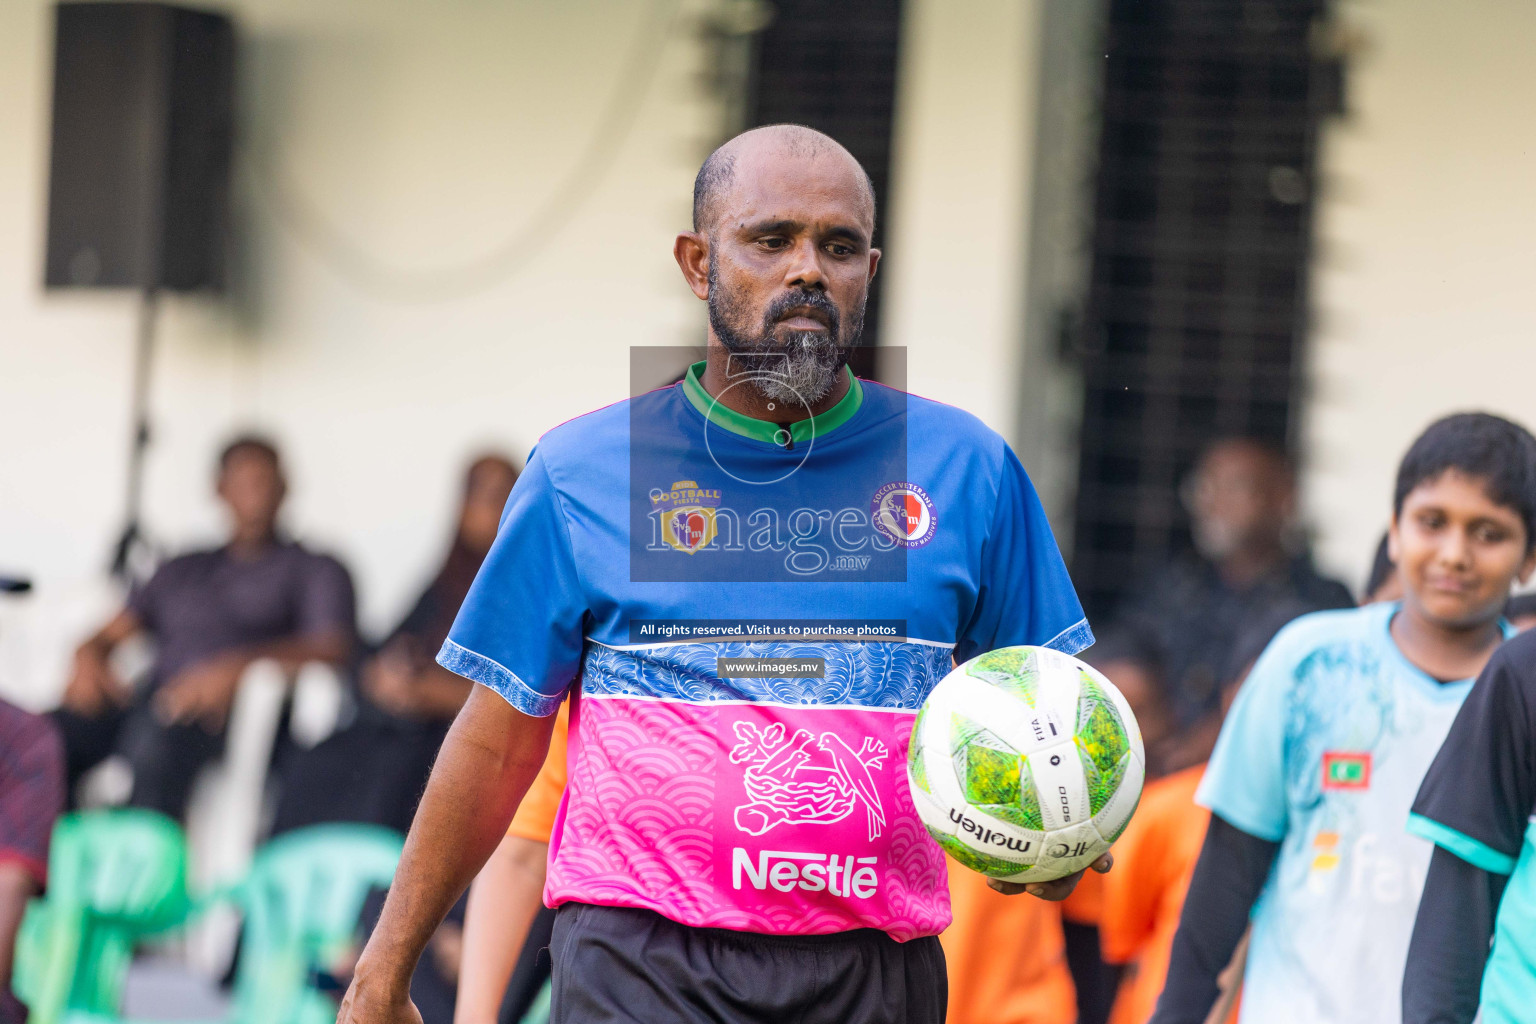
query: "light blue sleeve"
1024, 595
521, 627
1244, 782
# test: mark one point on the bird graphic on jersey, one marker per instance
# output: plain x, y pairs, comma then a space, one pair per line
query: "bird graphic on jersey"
787, 784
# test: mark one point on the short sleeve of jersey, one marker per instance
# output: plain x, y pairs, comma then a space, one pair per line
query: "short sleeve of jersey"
1025, 595
520, 628
1244, 783
1476, 799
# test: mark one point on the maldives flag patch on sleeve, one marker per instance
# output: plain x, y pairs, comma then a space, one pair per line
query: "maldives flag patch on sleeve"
1346, 770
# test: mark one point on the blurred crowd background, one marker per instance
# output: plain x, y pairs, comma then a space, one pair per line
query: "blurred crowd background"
1209, 265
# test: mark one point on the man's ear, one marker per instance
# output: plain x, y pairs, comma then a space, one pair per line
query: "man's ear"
874, 262
1526, 568
691, 250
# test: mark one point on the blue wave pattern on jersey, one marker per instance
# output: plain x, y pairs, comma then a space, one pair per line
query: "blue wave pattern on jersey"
875, 674
1343, 700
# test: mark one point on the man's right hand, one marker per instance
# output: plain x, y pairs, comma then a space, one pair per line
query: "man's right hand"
93, 686
491, 754
369, 1002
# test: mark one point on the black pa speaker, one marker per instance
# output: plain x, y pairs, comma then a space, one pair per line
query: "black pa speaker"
142, 130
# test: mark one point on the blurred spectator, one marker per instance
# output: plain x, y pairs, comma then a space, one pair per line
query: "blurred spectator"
1241, 499
374, 770
31, 798
1383, 584
210, 614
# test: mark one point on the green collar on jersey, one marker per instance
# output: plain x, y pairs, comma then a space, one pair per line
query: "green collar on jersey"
763, 430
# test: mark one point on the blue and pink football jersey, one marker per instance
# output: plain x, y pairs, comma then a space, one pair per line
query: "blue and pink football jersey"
750, 615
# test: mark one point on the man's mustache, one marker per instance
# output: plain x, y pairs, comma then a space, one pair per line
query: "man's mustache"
818, 301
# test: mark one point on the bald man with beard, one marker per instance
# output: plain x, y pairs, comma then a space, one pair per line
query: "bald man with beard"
735, 843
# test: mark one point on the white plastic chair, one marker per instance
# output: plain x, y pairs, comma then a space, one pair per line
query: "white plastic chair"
228, 806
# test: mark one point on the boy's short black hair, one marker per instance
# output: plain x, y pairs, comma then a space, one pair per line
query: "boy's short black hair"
250, 444
1500, 453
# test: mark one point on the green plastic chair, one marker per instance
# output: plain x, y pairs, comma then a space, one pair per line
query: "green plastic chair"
538, 1010
301, 900
114, 877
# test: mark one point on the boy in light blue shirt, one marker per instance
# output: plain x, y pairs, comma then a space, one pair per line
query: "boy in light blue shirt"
1319, 761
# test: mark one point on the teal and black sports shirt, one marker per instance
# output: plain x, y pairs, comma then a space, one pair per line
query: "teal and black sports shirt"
1477, 802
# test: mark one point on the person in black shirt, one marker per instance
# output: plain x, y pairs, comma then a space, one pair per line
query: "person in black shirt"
374, 770
1241, 499
1477, 805
209, 615
1521, 611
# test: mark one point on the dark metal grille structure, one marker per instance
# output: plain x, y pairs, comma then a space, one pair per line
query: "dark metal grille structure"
833, 67
1196, 307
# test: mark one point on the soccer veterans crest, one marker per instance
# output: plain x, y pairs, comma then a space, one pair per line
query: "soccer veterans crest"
904, 513
687, 513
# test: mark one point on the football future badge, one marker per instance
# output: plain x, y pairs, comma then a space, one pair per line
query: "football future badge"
687, 513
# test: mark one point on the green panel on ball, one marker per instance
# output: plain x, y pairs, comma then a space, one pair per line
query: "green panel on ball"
975, 859
1024, 810
1101, 785
917, 765
1011, 669
961, 732
991, 776
966, 738
1100, 733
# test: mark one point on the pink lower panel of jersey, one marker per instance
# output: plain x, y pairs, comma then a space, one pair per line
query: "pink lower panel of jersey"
756, 817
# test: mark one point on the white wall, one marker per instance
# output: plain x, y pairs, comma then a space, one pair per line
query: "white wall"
958, 212
386, 141
1425, 285
995, 127
427, 135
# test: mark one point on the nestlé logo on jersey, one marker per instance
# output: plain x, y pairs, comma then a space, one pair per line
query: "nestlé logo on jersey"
788, 870
687, 513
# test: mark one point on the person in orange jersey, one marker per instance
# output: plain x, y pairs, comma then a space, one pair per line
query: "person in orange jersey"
1142, 899
1006, 956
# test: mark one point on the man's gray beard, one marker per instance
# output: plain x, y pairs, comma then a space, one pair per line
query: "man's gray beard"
800, 373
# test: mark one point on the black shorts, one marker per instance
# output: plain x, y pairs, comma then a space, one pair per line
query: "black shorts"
615, 964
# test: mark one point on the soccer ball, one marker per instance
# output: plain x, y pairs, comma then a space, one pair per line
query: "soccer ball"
1025, 764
